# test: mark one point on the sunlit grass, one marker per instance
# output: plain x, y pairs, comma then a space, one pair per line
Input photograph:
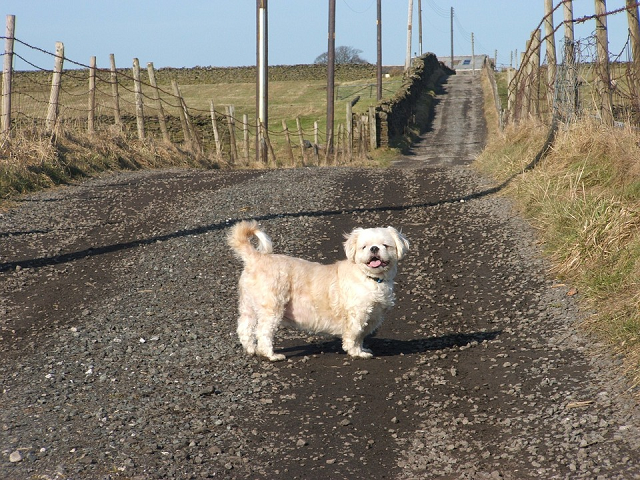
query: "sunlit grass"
584, 200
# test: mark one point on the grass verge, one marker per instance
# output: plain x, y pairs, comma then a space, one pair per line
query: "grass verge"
584, 200
34, 162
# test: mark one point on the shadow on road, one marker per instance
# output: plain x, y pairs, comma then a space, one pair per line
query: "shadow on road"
388, 347
100, 250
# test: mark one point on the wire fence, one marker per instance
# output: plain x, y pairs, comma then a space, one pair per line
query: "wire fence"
589, 81
50, 102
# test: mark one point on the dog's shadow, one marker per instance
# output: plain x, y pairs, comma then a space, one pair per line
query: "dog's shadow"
388, 347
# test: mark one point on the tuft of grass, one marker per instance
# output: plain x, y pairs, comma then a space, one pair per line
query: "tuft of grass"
584, 200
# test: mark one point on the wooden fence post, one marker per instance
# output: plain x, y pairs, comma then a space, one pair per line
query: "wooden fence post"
550, 37
301, 139
7, 71
511, 93
183, 119
191, 134
373, 131
232, 133
137, 88
349, 131
342, 141
604, 83
634, 30
362, 145
536, 43
525, 82
287, 137
161, 119
91, 126
216, 133
269, 147
56, 79
315, 143
245, 137
117, 119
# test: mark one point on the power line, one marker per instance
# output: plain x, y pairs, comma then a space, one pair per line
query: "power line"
358, 11
441, 12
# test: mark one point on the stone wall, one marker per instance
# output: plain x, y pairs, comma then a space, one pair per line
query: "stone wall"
397, 115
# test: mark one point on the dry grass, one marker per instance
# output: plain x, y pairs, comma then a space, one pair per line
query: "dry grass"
33, 161
584, 199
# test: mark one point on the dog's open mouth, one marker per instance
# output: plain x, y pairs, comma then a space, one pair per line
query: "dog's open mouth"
375, 262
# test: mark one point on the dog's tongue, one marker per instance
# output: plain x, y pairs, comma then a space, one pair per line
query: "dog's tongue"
375, 263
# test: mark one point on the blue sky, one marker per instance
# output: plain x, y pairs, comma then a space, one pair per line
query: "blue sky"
187, 33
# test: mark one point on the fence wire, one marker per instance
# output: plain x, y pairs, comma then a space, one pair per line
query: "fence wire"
578, 88
189, 126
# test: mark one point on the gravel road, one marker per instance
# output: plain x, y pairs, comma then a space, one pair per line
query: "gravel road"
119, 357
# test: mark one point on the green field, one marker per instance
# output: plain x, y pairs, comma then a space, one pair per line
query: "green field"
294, 92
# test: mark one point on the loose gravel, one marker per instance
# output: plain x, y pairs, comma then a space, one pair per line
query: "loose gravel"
120, 360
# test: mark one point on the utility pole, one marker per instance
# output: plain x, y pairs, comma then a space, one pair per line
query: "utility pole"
407, 60
473, 57
379, 59
331, 65
452, 37
262, 82
420, 26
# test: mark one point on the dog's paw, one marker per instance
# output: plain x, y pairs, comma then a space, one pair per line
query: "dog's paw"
276, 357
360, 353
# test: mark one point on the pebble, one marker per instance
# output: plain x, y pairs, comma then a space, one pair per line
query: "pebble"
15, 457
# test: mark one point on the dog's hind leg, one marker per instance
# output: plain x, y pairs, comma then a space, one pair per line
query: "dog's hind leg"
247, 328
266, 329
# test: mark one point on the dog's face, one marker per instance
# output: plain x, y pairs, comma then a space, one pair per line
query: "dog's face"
376, 250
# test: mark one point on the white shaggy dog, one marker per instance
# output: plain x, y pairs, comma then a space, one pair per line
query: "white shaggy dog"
347, 298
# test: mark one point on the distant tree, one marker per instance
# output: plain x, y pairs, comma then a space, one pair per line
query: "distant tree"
343, 55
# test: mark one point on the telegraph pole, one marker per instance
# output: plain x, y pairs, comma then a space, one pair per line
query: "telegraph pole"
262, 82
452, 37
407, 61
420, 26
473, 56
379, 60
331, 65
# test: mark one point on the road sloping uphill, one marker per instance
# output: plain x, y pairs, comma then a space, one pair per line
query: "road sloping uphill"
119, 357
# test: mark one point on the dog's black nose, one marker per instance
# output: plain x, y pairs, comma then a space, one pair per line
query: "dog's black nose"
374, 249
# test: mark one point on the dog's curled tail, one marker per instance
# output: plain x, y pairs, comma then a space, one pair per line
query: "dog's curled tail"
240, 239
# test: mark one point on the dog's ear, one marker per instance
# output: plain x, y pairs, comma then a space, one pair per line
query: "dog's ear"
402, 244
350, 244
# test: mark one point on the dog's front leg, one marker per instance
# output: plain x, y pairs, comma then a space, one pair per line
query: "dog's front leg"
266, 329
353, 337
